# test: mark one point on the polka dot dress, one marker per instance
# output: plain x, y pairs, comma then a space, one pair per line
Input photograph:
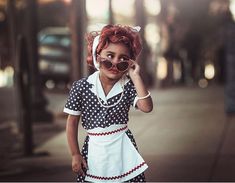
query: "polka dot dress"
83, 101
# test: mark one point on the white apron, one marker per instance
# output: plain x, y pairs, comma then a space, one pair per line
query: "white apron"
111, 155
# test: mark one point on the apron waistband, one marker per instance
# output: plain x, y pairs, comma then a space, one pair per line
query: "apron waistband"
108, 132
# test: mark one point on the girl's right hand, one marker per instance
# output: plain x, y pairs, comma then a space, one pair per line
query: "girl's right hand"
78, 163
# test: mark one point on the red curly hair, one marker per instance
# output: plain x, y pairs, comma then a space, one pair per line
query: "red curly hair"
114, 34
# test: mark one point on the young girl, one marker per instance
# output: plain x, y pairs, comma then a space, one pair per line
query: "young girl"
102, 101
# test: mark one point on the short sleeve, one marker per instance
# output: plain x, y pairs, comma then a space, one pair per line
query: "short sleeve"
73, 104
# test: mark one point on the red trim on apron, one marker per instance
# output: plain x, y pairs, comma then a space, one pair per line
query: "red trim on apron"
107, 133
117, 177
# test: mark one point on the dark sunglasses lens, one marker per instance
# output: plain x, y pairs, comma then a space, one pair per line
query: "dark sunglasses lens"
122, 66
107, 64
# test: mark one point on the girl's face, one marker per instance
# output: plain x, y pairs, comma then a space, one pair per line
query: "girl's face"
115, 53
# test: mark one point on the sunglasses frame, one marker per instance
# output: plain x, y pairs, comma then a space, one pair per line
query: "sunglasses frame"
102, 59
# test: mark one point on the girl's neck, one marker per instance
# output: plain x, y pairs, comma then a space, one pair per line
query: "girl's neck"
107, 83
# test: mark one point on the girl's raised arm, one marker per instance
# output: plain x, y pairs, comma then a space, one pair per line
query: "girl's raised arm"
144, 102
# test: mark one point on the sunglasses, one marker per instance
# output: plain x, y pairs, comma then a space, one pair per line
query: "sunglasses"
121, 66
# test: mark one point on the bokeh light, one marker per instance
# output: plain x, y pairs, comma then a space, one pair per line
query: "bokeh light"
67, 1
232, 8
97, 9
177, 70
152, 35
209, 71
162, 68
203, 83
153, 7
50, 84
123, 7
6, 77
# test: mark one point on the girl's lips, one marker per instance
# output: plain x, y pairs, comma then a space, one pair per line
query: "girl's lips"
114, 71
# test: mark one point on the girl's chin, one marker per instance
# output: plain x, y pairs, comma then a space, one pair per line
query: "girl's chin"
111, 75
114, 76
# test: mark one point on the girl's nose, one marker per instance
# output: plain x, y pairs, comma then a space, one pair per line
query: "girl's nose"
115, 60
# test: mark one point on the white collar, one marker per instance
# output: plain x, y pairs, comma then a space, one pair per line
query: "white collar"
116, 89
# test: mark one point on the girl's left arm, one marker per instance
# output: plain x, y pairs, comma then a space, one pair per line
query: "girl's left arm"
144, 103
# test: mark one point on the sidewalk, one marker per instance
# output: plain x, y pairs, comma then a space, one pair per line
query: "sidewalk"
39, 166
181, 140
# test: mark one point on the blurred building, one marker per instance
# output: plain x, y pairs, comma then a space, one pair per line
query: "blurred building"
176, 32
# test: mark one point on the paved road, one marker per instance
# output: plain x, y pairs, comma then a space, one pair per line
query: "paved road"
180, 139
183, 139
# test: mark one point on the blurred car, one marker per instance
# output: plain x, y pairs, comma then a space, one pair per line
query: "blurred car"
54, 49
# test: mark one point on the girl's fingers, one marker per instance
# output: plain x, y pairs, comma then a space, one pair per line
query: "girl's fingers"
84, 164
132, 66
79, 171
76, 170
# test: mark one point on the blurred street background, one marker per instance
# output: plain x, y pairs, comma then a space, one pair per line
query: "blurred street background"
187, 62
